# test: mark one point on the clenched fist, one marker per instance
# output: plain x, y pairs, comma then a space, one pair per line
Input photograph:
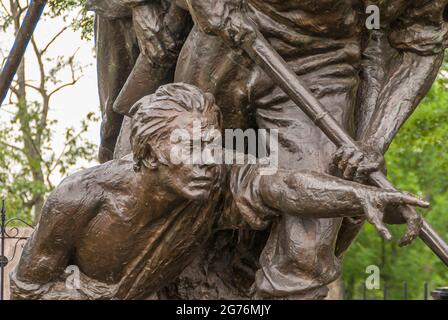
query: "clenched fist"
354, 165
224, 18
155, 39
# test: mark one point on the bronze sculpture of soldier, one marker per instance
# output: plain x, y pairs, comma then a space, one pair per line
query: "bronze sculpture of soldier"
132, 225
360, 75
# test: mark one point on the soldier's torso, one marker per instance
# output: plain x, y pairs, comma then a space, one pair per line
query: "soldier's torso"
137, 242
321, 40
114, 238
337, 12
333, 18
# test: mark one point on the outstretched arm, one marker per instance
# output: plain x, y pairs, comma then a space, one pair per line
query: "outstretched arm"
314, 195
259, 198
383, 111
398, 68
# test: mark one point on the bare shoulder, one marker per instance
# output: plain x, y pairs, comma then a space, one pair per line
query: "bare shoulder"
83, 192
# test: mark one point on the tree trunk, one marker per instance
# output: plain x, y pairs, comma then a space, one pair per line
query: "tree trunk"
31, 149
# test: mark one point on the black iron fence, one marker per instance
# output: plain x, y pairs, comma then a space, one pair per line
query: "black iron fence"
9, 232
388, 291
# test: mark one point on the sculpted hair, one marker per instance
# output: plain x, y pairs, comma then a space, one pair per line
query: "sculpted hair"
153, 116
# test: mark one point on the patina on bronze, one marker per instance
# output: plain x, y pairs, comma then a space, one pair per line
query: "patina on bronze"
133, 224
265, 62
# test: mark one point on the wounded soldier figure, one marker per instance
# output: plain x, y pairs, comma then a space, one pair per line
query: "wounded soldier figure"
133, 224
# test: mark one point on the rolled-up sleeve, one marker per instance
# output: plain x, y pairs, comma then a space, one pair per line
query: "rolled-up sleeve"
422, 28
244, 204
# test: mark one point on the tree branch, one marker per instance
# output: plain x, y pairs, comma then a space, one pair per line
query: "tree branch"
68, 84
6, 9
33, 87
73, 75
63, 150
12, 146
40, 63
43, 92
42, 52
14, 90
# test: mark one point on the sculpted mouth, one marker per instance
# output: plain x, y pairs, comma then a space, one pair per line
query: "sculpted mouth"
202, 178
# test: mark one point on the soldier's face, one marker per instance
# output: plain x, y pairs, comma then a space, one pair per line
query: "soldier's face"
183, 168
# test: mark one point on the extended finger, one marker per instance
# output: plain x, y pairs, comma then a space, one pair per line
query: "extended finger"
414, 225
375, 217
405, 199
367, 168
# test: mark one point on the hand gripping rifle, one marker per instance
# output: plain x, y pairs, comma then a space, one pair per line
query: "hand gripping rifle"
262, 53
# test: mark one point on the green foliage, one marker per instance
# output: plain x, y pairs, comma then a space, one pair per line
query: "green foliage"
418, 163
28, 160
82, 20
17, 183
74, 13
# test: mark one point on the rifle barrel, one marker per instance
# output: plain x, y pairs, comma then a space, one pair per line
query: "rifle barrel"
260, 50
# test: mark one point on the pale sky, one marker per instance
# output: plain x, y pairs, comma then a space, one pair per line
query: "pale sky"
70, 105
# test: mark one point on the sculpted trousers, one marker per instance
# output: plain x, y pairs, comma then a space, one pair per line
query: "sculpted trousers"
117, 50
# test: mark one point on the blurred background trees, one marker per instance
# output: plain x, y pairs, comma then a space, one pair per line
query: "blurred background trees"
27, 158
417, 162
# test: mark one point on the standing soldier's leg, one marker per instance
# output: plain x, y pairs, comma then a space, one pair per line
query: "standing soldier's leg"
298, 261
117, 50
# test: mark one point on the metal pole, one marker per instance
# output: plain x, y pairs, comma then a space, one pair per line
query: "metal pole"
426, 291
18, 49
3, 260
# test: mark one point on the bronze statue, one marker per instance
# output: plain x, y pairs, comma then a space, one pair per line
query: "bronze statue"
130, 225
267, 63
370, 81
124, 28
133, 224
